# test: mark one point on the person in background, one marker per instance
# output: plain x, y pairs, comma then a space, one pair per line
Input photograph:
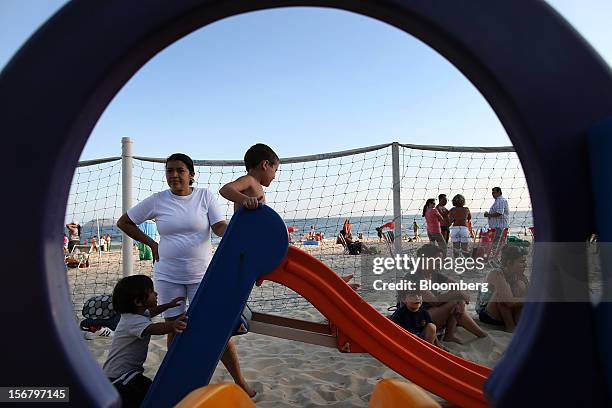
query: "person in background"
415, 230
312, 233
459, 217
498, 215
103, 243
347, 227
445, 223
356, 247
471, 229
74, 235
94, 244
433, 220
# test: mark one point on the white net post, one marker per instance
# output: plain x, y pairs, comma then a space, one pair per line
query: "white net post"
397, 205
126, 202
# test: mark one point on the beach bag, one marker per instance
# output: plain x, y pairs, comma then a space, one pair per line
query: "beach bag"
144, 252
516, 241
99, 307
98, 311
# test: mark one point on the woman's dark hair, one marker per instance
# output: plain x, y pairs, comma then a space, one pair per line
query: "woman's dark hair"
185, 159
511, 253
429, 201
258, 153
130, 290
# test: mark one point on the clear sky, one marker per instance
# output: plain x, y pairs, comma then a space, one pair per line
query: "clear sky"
303, 80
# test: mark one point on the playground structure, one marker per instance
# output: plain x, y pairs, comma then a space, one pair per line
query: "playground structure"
502, 47
354, 326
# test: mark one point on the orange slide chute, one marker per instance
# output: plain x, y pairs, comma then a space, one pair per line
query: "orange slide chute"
452, 378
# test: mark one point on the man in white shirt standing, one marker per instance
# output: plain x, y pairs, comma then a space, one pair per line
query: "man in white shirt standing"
499, 214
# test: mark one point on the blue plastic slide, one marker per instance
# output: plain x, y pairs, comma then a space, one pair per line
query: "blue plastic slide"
254, 244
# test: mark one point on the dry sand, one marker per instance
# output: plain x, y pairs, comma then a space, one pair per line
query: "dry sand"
286, 373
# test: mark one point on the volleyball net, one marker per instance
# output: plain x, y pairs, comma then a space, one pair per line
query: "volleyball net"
313, 194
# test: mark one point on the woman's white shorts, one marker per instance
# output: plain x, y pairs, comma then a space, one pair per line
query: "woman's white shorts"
460, 234
166, 291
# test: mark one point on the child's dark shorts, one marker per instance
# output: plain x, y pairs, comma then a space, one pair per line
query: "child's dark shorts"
132, 387
421, 334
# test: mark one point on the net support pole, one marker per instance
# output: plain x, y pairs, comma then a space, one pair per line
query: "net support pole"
397, 206
126, 202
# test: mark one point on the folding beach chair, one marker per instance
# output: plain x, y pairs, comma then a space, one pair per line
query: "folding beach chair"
497, 246
531, 232
486, 247
342, 240
389, 237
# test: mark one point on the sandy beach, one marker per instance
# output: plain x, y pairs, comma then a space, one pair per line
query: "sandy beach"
287, 373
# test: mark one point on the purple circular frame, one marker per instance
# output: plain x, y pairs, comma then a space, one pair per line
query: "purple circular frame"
547, 86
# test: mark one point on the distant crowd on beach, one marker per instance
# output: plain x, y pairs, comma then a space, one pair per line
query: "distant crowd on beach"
73, 239
442, 225
456, 224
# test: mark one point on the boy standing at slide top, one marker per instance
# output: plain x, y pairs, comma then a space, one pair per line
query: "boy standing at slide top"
261, 164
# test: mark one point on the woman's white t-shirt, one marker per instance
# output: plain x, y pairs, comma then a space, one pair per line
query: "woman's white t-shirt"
183, 223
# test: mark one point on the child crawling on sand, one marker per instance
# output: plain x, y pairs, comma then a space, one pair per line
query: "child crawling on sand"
136, 301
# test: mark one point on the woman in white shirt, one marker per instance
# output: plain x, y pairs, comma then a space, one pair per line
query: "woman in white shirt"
184, 216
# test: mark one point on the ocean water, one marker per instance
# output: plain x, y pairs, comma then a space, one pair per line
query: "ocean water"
366, 225
330, 226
